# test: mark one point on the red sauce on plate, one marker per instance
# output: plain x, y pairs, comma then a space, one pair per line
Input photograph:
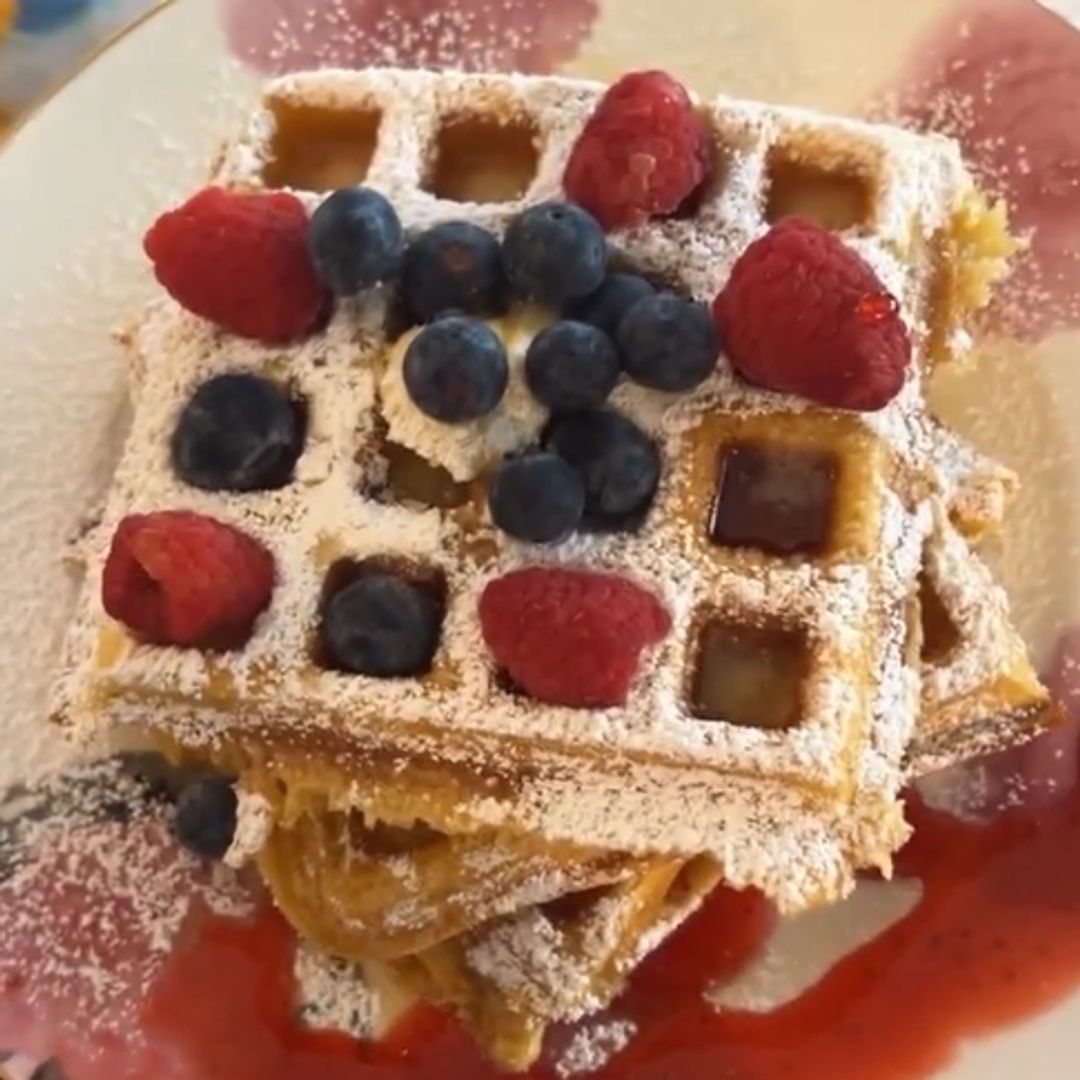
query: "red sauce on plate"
995, 937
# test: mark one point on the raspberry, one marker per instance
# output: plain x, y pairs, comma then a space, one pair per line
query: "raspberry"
569, 637
178, 578
241, 261
803, 314
644, 152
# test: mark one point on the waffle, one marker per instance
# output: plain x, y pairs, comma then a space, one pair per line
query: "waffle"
809, 792
380, 892
514, 860
979, 690
511, 976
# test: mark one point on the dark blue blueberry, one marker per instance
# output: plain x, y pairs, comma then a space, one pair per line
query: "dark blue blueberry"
537, 496
668, 343
619, 463
607, 305
238, 432
382, 625
205, 821
456, 369
571, 365
356, 240
555, 253
454, 266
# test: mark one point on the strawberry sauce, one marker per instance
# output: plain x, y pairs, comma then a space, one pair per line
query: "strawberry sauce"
995, 937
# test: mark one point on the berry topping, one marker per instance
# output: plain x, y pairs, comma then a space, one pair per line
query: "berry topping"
237, 433
538, 497
804, 314
568, 637
382, 625
619, 463
456, 369
241, 261
668, 343
606, 307
644, 153
205, 821
454, 266
571, 365
356, 240
554, 253
178, 578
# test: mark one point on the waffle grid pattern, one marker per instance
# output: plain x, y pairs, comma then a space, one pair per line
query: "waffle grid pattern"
498, 761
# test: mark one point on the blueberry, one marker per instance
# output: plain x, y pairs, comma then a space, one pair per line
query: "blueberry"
607, 305
555, 253
356, 240
454, 265
205, 821
619, 463
382, 625
668, 343
537, 496
571, 365
238, 432
456, 369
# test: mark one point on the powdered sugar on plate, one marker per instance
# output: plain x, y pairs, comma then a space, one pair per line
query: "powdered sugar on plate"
593, 1046
334, 994
93, 893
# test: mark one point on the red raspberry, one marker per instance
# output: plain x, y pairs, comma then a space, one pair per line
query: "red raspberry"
569, 637
178, 578
804, 314
242, 262
644, 152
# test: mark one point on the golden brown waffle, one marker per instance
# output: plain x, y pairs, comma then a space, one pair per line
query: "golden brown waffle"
980, 692
809, 781
380, 892
509, 977
976, 489
511, 859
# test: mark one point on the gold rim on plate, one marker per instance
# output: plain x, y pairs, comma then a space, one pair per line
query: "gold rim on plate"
7, 135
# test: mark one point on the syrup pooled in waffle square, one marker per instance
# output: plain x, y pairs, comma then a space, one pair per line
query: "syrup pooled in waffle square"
769, 726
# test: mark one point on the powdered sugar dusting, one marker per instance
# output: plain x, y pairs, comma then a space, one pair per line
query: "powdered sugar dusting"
593, 1046
845, 755
254, 820
88, 847
333, 994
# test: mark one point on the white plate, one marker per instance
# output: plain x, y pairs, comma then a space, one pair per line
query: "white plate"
135, 131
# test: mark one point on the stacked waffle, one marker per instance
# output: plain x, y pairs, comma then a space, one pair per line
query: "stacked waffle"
509, 857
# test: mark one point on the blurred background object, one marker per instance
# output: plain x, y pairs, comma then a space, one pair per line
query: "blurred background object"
7, 16
43, 42
37, 16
